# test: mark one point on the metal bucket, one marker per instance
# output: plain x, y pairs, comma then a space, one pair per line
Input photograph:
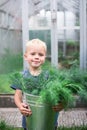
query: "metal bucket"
42, 117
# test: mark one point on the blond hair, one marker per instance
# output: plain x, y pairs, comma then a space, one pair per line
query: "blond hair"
36, 41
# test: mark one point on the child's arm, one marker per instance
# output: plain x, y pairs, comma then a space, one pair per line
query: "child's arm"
24, 108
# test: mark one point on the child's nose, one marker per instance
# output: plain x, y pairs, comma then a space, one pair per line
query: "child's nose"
36, 56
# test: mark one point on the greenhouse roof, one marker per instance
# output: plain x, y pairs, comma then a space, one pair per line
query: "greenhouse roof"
13, 7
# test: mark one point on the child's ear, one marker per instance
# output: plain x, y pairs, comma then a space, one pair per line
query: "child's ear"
25, 56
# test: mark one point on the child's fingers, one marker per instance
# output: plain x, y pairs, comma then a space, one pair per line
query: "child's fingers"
25, 110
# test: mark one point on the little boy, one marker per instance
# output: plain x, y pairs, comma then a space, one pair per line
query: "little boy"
35, 55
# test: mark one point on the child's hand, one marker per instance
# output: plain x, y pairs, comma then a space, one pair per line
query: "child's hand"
25, 109
58, 107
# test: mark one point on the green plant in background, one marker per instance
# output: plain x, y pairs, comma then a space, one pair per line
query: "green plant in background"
77, 22
79, 77
72, 42
10, 62
4, 84
68, 63
71, 55
3, 126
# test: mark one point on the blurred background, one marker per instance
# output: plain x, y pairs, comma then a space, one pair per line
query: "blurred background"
59, 23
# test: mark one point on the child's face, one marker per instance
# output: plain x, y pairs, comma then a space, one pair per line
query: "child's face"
35, 55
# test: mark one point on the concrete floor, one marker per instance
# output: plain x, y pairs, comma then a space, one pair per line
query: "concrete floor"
71, 117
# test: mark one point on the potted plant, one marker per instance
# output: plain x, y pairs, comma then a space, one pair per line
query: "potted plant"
58, 88
45, 95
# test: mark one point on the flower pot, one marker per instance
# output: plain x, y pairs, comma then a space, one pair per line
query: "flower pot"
43, 116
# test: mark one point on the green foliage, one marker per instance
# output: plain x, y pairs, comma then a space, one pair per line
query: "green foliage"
29, 84
46, 65
3, 126
83, 95
71, 42
78, 76
10, 62
59, 87
74, 79
55, 92
15, 79
4, 84
68, 63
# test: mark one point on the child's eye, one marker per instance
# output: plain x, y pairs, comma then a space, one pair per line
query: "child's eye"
32, 53
40, 54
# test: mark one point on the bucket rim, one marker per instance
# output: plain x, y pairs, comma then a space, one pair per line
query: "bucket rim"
28, 94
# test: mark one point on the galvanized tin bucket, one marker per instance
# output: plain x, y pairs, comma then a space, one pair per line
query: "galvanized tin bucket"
42, 117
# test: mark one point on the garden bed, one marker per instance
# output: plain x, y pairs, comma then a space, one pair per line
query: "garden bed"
7, 100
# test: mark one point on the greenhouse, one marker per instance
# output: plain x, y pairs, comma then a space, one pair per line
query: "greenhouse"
62, 25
